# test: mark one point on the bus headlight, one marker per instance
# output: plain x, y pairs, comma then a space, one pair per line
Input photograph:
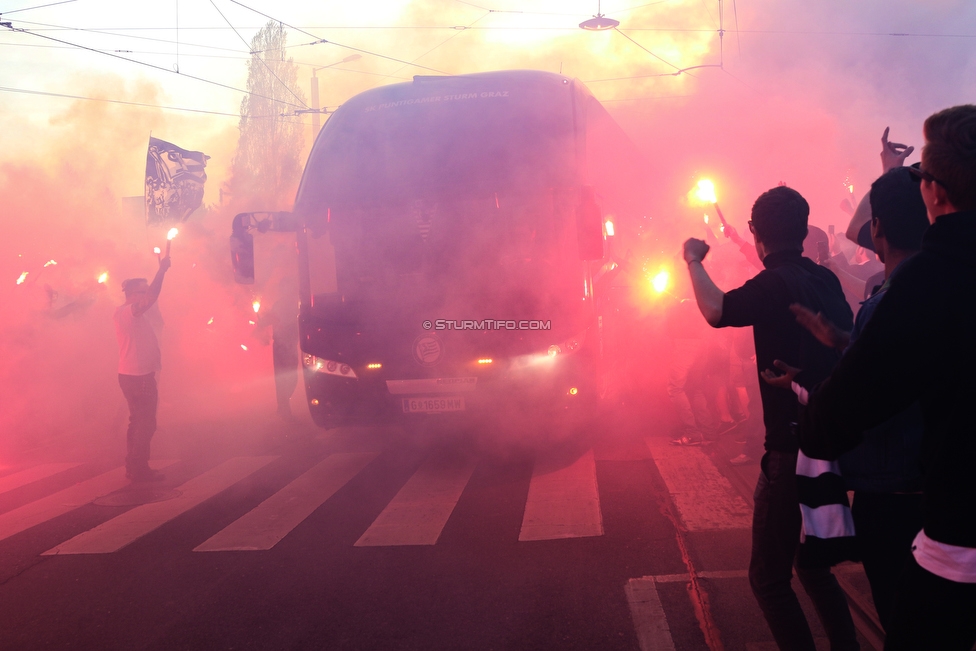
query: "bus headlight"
327, 366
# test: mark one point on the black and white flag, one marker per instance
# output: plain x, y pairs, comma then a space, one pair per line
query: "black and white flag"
174, 182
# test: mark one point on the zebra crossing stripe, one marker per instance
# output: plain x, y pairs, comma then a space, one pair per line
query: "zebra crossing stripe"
650, 623
118, 532
419, 512
30, 475
265, 525
563, 500
704, 498
47, 508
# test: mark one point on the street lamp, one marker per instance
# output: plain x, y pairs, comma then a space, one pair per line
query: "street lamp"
315, 92
599, 22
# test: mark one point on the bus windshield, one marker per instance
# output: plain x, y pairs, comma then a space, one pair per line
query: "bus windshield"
452, 192
504, 254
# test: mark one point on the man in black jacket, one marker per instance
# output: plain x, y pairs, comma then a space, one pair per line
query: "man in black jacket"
779, 224
919, 345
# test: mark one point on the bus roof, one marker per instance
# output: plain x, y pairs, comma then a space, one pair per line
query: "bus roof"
468, 134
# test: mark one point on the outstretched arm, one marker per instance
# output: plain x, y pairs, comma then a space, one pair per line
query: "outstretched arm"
155, 287
707, 294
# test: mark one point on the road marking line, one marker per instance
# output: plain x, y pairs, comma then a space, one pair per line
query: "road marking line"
563, 501
31, 475
703, 574
419, 512
704, 498
274, 518
47, 508
121, 530
650, 622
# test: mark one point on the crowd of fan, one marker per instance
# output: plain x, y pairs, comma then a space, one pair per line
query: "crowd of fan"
877, 404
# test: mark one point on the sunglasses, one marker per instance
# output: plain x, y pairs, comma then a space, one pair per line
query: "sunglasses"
921, 175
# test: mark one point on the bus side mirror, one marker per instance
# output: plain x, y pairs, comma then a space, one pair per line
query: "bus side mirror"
589, 226
242, 250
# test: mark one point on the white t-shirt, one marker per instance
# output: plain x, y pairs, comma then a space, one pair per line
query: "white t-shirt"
138, 347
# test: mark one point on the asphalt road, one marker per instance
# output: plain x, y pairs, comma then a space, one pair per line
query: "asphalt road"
367, 539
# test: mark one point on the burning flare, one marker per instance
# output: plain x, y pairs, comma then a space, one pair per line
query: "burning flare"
256, 304
49, 263
705, 192
102, 277
173, 232
22, 278
156, 250
660, 281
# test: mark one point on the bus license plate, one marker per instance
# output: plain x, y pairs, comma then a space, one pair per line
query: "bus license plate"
432, 405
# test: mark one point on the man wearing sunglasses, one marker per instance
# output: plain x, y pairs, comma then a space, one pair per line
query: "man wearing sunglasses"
779, 224
919, 345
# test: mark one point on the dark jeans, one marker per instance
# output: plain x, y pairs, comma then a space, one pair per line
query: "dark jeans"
140, 392
932, 613
775, 538
885, 524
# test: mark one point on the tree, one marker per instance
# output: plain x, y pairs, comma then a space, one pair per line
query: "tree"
268, 164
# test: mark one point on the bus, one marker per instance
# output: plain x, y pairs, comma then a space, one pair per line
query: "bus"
453, 234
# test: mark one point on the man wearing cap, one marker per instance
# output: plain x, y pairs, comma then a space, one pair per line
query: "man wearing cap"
884, 471
919, 345
139, 359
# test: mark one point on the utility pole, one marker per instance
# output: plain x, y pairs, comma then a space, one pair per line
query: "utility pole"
316, 109
316, 122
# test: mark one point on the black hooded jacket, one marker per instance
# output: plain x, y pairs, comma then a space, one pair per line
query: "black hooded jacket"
919, 345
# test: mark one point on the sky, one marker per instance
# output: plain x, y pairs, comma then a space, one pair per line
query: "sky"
794, 63
795, 92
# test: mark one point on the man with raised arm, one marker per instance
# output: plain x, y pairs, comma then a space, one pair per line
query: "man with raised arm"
919, 345
779, 224
139, 359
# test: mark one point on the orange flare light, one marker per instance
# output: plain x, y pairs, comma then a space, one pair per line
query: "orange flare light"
243, 347
50, 263
256, 304
156, 250
102, 277
705, 192
173, 232
660, 281
22, 278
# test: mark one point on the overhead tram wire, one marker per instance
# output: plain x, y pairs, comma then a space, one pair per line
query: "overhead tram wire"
679, 70
143, 63
452, 36
50, 4
143, 38
348, 47
207, 56
113, 101
553, 13
260, 58
675, 30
